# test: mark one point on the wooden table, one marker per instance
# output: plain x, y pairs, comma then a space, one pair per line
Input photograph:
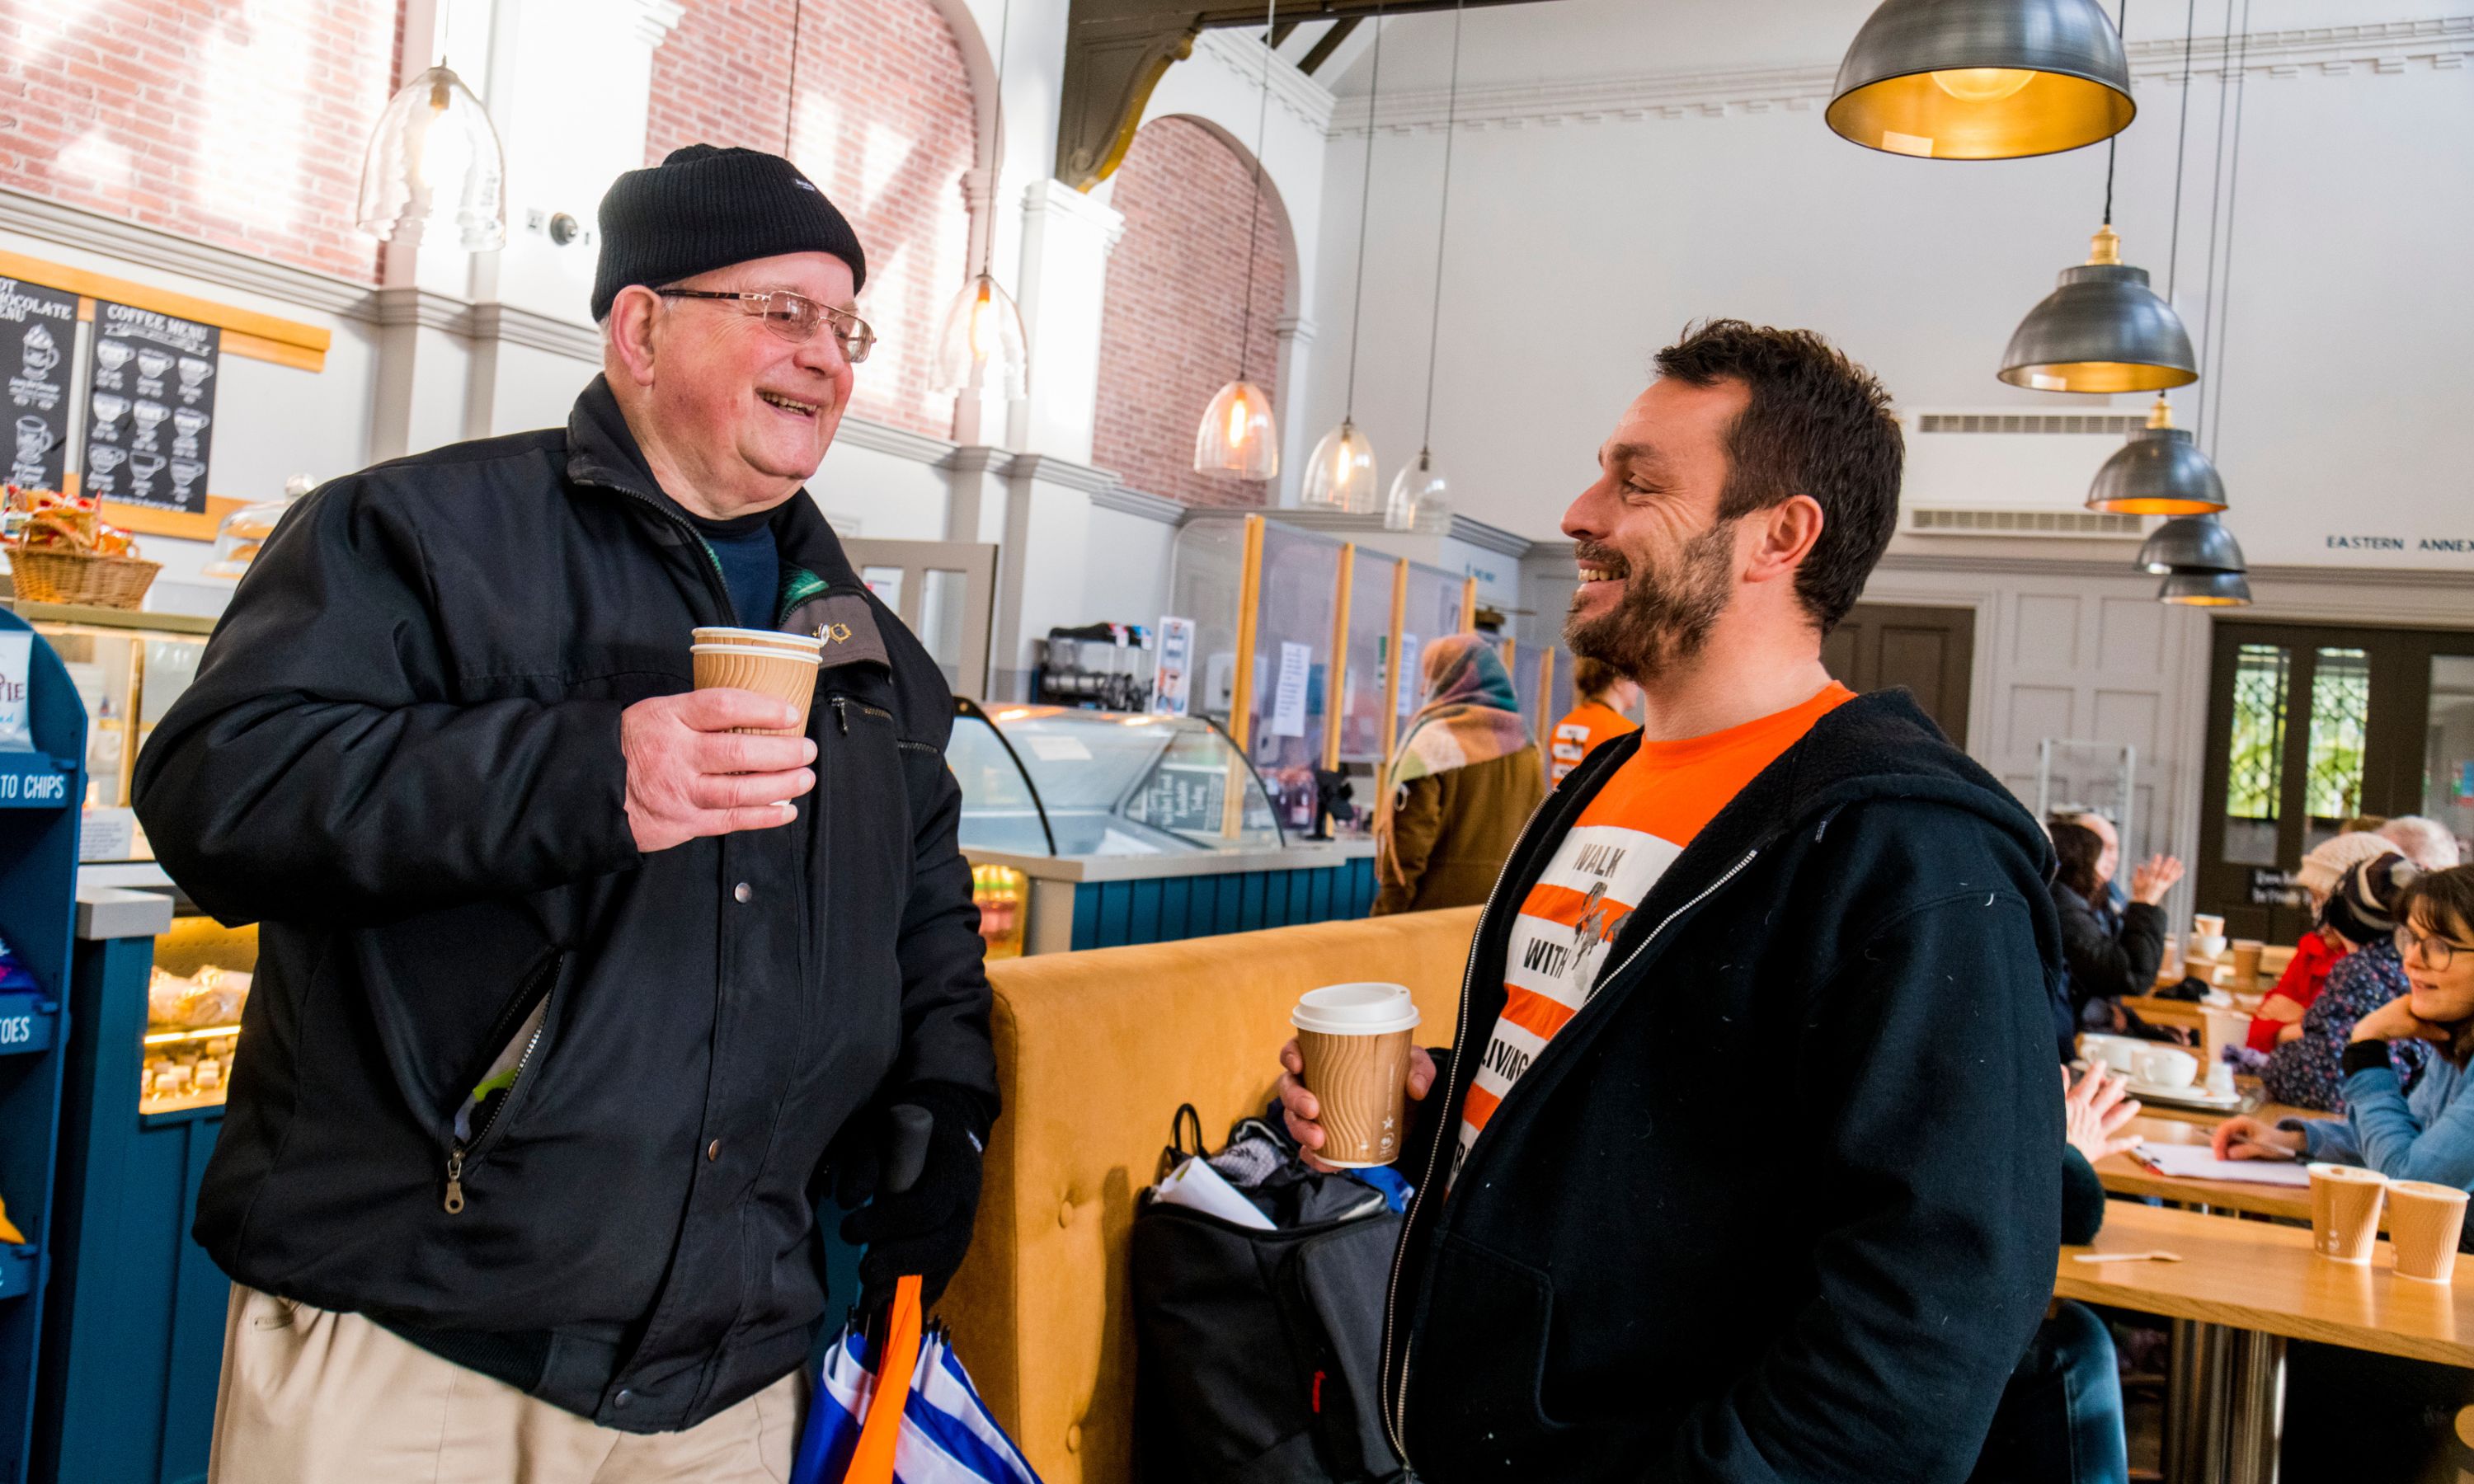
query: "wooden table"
2245, 1288
2124, 1175
2185, 1014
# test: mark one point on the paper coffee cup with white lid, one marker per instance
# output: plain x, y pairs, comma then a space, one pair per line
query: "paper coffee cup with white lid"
1355, 1041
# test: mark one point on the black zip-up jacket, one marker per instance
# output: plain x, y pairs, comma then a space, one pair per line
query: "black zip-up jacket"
2105, 964
1779, 1203
400, 757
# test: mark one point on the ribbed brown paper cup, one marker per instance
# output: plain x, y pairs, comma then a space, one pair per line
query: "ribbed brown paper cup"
1355, 1041
765, 669
2424, 1223
2345, 1201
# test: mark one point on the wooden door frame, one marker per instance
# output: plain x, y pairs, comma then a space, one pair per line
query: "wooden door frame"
976, 561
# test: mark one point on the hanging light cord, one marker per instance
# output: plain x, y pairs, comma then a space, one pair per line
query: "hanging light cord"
2113, 141
1364, 195
995, 138
2215, 199
1255, 218
1435, 321
791, 105
2223, 317
2181, 141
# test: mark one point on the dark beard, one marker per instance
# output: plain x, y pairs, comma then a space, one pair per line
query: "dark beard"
1665, 616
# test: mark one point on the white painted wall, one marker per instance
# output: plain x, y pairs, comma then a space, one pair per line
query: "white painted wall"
1582, 240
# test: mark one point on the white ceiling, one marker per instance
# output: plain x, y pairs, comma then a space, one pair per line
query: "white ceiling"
1568, 39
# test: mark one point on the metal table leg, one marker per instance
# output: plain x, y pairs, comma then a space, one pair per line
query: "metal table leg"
2195, 1398
2255, 1419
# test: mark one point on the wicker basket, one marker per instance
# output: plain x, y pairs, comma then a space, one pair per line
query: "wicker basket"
50, 576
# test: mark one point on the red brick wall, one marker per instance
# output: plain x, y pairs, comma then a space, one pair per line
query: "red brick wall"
884, 124
238, 125
1177, 305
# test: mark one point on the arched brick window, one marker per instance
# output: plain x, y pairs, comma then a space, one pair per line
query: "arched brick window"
1176, 304
240, 126
886, 124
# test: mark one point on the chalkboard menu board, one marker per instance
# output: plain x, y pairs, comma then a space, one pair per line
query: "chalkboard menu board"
151, 409
1183, 796
38, 330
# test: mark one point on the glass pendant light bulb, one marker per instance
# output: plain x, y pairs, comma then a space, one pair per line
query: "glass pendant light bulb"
1237, 436
1417, 501
982, 347
1341, 474
434, 165
1982, 84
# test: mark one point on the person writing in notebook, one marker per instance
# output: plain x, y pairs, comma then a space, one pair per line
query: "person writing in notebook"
1742, 1164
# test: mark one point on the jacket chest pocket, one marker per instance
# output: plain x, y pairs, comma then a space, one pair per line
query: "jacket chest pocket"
862, 796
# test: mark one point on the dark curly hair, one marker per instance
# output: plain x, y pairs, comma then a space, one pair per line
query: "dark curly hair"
2078, 848
1817, 424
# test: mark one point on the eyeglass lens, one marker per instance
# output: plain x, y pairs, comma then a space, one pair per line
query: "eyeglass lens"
795, 317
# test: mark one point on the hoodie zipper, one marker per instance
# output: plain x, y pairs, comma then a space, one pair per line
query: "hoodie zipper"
1395, 1417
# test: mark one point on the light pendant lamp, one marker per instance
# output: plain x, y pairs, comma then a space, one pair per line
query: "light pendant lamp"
2102, 329
1341, 475
434, 172
1238, 436
2192, 544
982, 347
1983, 78
2206, 590
2160, 471
1417, 500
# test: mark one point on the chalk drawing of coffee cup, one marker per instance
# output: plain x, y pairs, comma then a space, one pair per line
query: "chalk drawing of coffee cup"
40, 353
187, 424
108, 410
112, 354
148, 415
142, 470
184, 473
104, 460
194, 371
152, 364
35, 435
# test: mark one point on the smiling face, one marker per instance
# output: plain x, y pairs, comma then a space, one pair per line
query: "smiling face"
2445, 996
732, 415
1656, 565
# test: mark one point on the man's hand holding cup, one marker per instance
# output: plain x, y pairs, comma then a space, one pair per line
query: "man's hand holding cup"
1361, 1056
696, 765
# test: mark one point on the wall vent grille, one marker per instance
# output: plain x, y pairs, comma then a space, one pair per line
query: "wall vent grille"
2113, 423
2023, 522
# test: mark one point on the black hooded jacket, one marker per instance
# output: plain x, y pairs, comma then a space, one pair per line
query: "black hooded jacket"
1779, 1203
400, 757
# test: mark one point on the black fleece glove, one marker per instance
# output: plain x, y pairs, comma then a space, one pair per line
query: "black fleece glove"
927, 1229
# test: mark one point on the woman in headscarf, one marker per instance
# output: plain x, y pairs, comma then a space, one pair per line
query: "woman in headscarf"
1466, 777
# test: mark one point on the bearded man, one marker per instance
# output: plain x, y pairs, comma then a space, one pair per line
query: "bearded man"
1772, 1194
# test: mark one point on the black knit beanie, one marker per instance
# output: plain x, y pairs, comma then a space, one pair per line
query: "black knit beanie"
2363, 907
705, 207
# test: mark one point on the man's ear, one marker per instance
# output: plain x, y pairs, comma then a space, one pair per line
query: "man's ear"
1784, 536
631, 332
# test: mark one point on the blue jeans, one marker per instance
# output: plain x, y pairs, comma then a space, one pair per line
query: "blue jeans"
2060, 1418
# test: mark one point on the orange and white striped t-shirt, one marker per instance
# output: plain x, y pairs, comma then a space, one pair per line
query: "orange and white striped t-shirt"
1588, 725
1615, 852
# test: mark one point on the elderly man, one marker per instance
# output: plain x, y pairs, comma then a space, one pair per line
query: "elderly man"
568, 974
1768, 1189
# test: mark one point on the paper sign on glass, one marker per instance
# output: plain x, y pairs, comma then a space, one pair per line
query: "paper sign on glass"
1172, 678
1289, 701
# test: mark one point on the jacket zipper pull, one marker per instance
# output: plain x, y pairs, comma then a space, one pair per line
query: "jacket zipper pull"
455, 1180
841, 715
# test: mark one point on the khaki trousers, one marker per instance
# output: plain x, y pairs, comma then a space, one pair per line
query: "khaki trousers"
310, 1397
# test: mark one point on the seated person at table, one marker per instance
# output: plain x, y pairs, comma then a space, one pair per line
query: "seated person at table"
2109, 903
2308, 1071
2105, 966
2060, 1419
2427, 1133
2280, 1014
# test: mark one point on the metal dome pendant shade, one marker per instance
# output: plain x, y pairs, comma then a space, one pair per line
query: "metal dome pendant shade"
2192, 544
2206, 590
435, 166
2102, 329
2160, 471
1236, 437
1983, 78
1341, 474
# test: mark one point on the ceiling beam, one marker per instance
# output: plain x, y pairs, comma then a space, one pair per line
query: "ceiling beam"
1116, 52
1329, 42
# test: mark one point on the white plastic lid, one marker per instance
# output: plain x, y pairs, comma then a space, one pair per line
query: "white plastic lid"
1355, 1010
2357, 1172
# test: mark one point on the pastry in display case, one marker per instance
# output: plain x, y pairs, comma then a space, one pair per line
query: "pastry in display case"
193, 1006
1062, 781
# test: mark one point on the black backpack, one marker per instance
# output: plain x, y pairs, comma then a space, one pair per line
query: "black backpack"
1257, 1351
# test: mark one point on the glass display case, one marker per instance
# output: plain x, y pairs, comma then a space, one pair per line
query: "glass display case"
127, 667
1060, 781
199, 982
